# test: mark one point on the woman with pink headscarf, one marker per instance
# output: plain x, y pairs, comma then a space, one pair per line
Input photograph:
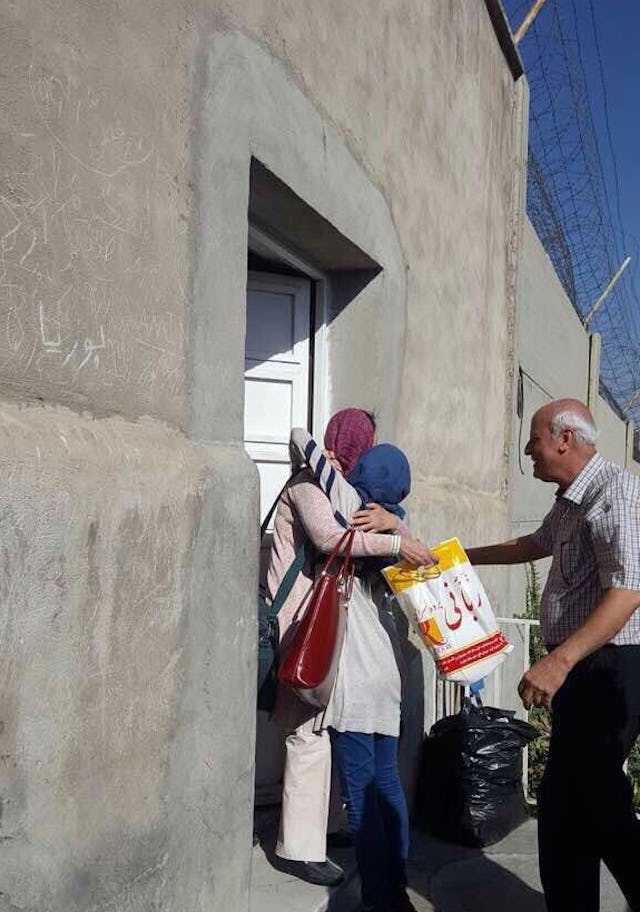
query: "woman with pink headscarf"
305, 513
349, 434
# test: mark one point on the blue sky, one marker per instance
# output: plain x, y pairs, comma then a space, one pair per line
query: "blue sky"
618, 30
563, 36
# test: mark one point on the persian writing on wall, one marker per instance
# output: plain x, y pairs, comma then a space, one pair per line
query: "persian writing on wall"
93, 241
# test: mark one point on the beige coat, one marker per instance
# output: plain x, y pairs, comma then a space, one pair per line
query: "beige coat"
305, 512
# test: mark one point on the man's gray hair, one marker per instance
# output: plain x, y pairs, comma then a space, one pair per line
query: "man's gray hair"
584, 430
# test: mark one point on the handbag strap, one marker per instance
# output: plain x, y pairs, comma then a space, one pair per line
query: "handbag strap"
298, 562
346, 537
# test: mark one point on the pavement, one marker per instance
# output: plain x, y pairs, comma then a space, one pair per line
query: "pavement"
442, 878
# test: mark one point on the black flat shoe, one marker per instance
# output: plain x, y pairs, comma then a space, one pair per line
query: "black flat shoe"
321, 873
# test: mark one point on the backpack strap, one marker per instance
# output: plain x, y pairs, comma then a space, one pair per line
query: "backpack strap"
267, 519
291, 575
288, 580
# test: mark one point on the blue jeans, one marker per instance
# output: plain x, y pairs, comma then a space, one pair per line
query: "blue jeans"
377, 811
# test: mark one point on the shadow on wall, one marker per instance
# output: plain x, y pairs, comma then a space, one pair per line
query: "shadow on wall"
290, 222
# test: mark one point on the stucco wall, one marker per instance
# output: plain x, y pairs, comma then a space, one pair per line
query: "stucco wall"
553, 353
448, 163
612, 442
129, 513
94, 212
552, 345
119, 735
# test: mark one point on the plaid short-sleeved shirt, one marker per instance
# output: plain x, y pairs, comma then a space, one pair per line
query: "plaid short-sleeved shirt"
593, 534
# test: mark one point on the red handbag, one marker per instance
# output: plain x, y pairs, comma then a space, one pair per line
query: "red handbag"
310, 664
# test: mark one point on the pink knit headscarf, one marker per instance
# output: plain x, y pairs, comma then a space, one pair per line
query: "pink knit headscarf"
349, 434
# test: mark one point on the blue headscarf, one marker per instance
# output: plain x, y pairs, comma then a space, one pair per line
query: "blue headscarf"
382, 475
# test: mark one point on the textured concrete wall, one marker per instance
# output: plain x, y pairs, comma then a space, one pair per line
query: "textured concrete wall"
612, 442
94, 210
426, 103
129, 558
128, 571
436, 123
455, 406
245, 105
553, 354
553, 347
119, 735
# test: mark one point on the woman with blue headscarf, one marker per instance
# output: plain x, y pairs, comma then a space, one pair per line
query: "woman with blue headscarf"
382, 477
363, 714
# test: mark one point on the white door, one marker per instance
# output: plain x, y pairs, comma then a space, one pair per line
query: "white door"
276, 375
276, 399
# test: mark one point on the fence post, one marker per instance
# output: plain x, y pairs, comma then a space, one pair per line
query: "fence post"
593, 388
630, 431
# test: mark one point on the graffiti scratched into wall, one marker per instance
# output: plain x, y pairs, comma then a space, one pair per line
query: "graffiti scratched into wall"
92, 243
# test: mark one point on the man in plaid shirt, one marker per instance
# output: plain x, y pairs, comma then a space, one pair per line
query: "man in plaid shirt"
591, 676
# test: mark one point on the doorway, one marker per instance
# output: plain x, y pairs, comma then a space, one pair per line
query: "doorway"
284, 378
277, 378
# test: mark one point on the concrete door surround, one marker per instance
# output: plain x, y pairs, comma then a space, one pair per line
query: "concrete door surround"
247, 109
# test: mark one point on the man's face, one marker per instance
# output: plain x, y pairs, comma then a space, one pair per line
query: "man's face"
543, 449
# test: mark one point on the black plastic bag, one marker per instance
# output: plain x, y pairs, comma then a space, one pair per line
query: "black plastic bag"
470, 788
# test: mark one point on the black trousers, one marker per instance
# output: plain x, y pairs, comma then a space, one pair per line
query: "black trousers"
585, 811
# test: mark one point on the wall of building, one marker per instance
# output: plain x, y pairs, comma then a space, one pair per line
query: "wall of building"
612, 442
553, 356
129, 560
556, 358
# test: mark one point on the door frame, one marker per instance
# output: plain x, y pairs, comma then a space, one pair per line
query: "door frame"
265, 245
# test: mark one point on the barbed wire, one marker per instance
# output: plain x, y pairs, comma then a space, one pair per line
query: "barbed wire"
573, 187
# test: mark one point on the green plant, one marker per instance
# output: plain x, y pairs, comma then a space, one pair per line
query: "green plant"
541, 718
633, 772
532, 594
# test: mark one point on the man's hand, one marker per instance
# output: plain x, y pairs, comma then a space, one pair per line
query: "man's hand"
541, 682
414, 552
375, 519
539, 685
